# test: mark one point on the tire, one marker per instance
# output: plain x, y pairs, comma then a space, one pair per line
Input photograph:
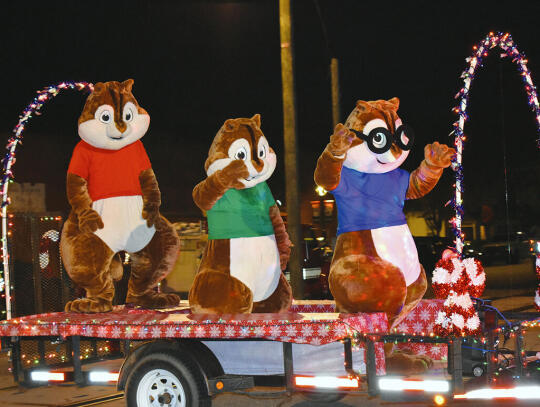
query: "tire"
322, 397
163, 380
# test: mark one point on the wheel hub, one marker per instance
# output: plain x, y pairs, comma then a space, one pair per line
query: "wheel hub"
160, 388
165, 398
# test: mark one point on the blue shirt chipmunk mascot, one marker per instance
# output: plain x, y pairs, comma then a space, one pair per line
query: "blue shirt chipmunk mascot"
375, 267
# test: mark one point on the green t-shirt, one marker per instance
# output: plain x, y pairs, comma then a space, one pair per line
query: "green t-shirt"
242, 213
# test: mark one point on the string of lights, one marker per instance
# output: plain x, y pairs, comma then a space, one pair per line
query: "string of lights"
480, 51
42, 97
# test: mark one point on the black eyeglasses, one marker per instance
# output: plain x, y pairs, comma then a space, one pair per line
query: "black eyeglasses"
380, 139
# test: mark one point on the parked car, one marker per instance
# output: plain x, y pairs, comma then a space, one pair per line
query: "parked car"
316, 258
513, 249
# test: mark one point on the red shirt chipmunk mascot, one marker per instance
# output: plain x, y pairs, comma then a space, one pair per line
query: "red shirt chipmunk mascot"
375, 267
115, 199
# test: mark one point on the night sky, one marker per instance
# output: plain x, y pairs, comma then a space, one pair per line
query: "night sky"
197, 63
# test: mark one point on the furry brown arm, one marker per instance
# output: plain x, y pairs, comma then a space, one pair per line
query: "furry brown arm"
206, 193
151, 197
282, 237
328, 171
425, 177
81, 203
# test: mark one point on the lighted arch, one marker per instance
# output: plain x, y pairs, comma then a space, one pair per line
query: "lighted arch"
505, 42
42, 97
507, 45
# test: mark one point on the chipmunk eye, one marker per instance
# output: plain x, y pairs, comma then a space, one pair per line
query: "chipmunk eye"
262, 151
105, 117
241, 154
379, 139
128, 115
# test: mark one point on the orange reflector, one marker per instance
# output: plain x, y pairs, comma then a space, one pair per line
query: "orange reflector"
327, 382
439, 400
38, 376
219, 385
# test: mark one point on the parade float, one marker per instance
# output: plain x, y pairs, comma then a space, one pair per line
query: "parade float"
174, 357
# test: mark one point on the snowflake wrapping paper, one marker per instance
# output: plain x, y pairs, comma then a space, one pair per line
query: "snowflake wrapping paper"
314, 325
422, 320
309, 322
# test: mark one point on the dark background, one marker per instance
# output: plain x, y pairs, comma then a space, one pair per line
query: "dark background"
197, 63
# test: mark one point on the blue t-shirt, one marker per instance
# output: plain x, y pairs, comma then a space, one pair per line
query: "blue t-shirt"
370, 201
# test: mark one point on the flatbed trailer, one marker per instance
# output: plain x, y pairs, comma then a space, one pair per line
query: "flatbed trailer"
174, 358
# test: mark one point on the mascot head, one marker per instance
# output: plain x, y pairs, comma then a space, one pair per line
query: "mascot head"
112, 118
382, 141
242, 139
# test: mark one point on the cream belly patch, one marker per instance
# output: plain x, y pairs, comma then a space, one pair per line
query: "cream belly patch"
395, 244
255, 262
125, 228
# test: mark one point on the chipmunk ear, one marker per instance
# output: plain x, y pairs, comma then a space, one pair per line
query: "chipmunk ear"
230, 125
363, 106
128, 84
257, 119
99, 87
394, 101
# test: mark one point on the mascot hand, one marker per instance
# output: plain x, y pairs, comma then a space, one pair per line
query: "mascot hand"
232, 174
90, 221
341, 140
150, 212
439, 155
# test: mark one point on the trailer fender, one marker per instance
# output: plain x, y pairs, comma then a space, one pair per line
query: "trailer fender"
190, 350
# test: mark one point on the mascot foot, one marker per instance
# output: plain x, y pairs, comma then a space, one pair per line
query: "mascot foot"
153, 299
88, 305
213, 292
406, 363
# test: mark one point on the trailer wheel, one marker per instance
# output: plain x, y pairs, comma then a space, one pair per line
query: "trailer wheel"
322, 397
163, 380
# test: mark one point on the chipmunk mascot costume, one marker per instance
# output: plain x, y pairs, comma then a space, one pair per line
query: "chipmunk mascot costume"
375, 267
115, 201
248, 245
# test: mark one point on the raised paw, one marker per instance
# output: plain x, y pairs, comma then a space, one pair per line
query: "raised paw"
439, 155
341, 140
153, 299
233, 174
88, 305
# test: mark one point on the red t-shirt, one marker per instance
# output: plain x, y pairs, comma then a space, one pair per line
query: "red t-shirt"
110, 172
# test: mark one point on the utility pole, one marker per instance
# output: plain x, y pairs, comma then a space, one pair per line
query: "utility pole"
289, 134
334, 81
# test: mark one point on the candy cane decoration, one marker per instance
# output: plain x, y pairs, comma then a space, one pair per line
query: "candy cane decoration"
457, 280
8, 161
50, 236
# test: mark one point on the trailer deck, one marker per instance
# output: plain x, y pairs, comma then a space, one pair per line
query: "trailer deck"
310, 322
141, 333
